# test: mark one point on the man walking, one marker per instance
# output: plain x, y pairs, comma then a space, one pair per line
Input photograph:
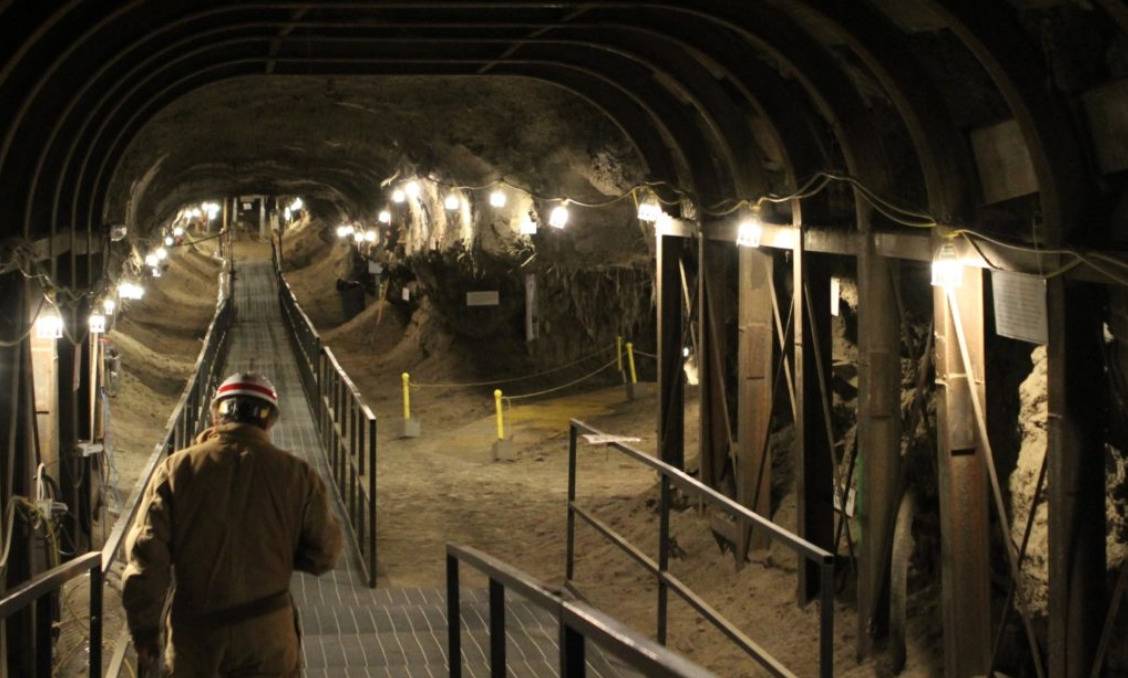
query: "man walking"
228, 520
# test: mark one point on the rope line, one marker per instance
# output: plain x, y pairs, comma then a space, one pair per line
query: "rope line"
537, 394
511, 380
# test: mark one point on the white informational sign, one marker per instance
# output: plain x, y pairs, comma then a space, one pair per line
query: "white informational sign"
490, 298
375, 268
605, 439
530, 307
1020, 306
406, 294
835, 296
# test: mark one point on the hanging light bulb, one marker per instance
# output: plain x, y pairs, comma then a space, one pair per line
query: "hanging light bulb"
528, 226
385, 217
370, 235
49, 325
178, 231
358, 236
750, 231
151, 260
452, 202
559, 217
412, 189
169, 241
97, 323
128, 290
498, 199
947, 270
398, 196
649, 212
108, 305
162, 254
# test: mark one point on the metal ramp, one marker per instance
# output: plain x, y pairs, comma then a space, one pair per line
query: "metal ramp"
348, 628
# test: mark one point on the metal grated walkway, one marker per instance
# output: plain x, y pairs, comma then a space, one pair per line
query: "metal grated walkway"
348, 628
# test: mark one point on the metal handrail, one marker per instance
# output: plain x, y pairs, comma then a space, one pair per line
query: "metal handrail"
188, 417
669, 477
345, 421
578, 622
36, 591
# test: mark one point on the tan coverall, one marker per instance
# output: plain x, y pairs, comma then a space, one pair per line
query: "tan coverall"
233, 516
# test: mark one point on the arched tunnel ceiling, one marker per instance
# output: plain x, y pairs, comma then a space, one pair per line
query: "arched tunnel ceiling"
334, 140
721, 99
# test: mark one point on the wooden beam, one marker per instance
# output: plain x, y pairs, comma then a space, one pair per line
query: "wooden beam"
754, 392
671, 325
964, 513
1077, 567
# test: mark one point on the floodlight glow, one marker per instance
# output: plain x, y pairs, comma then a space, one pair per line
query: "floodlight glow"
398, 196
288, 214
750, 232
528, 226
370, 235
178, 231
212, 209
498, 199
108, 305
664, 224
358, 236
97, 323
169, 241
195, 213
297, 204
151, 260
344, 230
947, 270
452, 202
385, 217
162, 253
49, 326
412, 189
156, 272
685, 352
559, 217
649, 212
128, 290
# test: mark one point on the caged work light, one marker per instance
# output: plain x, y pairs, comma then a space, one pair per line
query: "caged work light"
498, 199
649, 212
750, 232
558, 219
49, 326
97, 323
947, 270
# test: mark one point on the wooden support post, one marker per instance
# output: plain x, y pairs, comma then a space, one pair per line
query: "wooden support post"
671, 326
1076, 468
712, 294
964, 513
815, 473
754, 393
879, 436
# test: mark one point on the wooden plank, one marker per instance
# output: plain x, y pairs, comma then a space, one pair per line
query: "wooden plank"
754, 393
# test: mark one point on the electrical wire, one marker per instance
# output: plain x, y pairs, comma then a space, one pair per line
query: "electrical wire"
511, 380
537, 394
502, 181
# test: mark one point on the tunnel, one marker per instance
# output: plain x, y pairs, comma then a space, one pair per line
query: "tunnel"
620, 338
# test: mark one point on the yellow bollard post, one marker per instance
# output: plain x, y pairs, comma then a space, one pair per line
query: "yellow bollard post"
501, 447
406, 395
411, 428
634, 373
619, 354
500, 415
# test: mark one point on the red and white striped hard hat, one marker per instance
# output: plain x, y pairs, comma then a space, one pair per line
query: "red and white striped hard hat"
247, 384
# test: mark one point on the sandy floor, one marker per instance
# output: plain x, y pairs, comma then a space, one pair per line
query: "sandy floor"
444, 487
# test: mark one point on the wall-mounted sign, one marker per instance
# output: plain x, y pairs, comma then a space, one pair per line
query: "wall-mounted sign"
488, 298
1020, 306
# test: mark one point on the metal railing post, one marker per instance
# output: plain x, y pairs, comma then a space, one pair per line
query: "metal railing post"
570, 543
372, 503
454, 619
663, 553
826, 619
497, 629
573, 662
96, 620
